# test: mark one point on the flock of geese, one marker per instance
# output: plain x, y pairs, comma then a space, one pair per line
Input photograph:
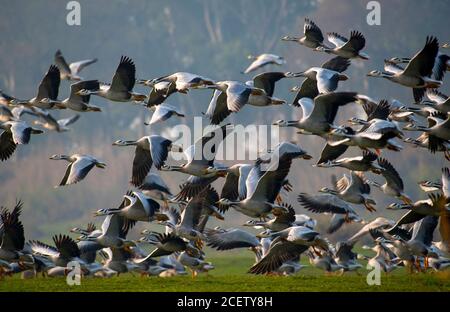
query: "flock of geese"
255, 189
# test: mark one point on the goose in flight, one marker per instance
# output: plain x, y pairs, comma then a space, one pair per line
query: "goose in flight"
152, 149
65, 250
282, 220
80, 103
438, 131
343, 137
438, 101
121, 87
180, 82
365, 162
312, 38
114, 231
327, 203
308, 88
159, 91
78, 168
71, 71
354, 189
167, 244
348, 48
394, 183
200, 162
417, 74
14, 133
226, 239
47, 94
287, 245
441, 64
195, 215
135, 207
326, 79
50, 123
435, 205
163, 112
263, 60
376, 134
12, 236
154, 187
230, 96
262, 189
319, 114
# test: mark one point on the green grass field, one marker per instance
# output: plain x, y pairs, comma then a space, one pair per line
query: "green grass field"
230, 275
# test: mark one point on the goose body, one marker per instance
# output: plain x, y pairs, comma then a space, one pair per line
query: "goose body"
79, 167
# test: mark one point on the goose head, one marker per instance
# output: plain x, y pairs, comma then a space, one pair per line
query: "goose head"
84, 92
327, 190
123, 143
289, 38
399, 60
59, 157
102, 212
281, 123
375, 73
397, 206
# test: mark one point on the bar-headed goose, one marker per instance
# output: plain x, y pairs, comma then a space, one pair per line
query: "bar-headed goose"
435, 205
155, 187
263, 60
282, 220
417, 74
48, 89
121, 87
319, 114
326, 79
230, 96
195, 263
80, 103
394, 183
378, 134
166, 244
71, 71
14, 133
348, 48
438, 131
162, 113
262, 188
365, 162
354, 189
308, 87
226, 239
182, 81
152, 149
438, 101
135, 207
200, 161
50, 123
288, 244
159, 92
326, 203
65, 250
12, 235
114, 231
312, 38
79, 167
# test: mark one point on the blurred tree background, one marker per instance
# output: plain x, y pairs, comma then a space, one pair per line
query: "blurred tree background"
211, 38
